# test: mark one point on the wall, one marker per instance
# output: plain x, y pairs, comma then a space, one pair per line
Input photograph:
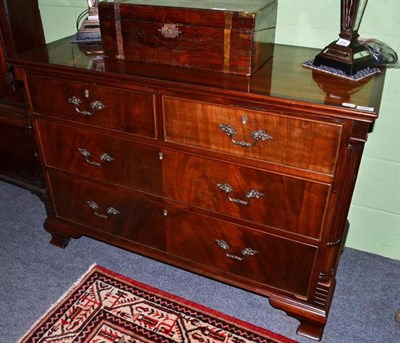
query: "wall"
375, 210
59, 17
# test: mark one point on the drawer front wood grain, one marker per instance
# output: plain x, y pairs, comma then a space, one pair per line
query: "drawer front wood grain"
233, 251
101, 157
237, 251
302, 143
267, 198
104, 210
91, 104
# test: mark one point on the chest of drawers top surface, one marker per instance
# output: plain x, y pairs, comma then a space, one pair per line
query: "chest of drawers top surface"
282, 78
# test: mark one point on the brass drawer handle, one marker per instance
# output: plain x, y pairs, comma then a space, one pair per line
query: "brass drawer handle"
251, 194
258, 135
110, 211
170, 30
96, 105
103, 157
245, 252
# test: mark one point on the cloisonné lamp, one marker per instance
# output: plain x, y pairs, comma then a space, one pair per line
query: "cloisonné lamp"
346, 53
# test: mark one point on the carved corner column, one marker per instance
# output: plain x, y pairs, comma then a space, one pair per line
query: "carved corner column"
334, 247
313, 313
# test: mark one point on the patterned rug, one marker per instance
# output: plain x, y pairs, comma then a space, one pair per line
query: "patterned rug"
105, 307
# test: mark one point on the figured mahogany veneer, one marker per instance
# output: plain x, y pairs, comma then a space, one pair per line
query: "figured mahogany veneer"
114, 106
297, 142
184, 235
131, 164
286, 203
245, 180
283, 202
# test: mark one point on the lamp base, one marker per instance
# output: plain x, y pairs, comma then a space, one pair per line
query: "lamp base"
350, 59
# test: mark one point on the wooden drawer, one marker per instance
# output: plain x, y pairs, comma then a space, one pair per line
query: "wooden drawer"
235, 251
101, 157
230, 250
302, 143
276, 200
287, 203
92, 104
102, 209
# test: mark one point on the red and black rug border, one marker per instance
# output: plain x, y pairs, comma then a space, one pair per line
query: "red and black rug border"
164, 299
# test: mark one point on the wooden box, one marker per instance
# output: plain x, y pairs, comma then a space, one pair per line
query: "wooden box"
227, 36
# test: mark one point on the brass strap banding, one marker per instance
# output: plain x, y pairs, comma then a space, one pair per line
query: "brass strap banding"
227, 40
118, 31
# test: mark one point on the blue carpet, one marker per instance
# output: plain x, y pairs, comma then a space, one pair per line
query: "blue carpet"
34, 274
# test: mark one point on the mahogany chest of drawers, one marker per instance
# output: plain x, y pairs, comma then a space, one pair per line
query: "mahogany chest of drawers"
247, 180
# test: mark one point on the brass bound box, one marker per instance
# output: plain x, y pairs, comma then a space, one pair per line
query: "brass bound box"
227, 36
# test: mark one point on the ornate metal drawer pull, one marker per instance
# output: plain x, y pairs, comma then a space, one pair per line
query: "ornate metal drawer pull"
245, 252
251, 194
103, 157
170, 30
95, 105
258, 135
110, 211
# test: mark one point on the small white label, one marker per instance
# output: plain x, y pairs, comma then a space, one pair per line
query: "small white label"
348, 104
360, 54
343, 42
365, 108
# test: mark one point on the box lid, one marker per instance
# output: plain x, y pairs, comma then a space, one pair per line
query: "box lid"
247, 15
244, 6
